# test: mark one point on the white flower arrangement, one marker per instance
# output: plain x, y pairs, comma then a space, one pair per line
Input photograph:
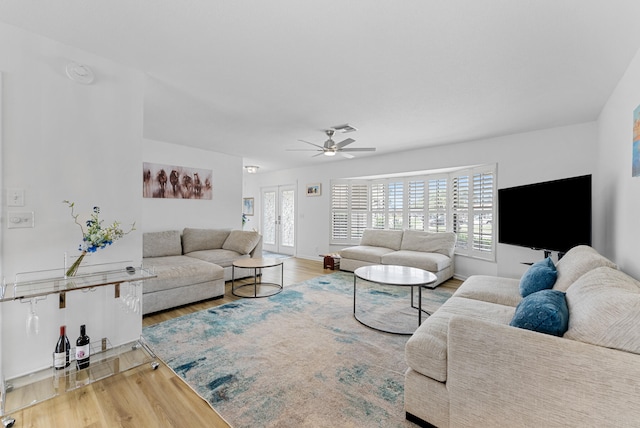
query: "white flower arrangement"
94, 237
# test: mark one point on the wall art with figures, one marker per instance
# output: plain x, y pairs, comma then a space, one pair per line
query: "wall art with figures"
176, 182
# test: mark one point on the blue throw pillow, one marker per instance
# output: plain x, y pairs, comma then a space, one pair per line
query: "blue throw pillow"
545, 311
540, 276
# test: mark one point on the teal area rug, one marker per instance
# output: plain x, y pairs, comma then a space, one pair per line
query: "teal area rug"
296, 359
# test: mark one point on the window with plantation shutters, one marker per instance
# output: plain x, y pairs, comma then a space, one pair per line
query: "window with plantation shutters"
415, 204
460, 210
473, 196
378, 205
395, 213
461, 202
339, 212
437, 205
359, 209
483, 190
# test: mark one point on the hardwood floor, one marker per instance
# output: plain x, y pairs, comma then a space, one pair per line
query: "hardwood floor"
142, 397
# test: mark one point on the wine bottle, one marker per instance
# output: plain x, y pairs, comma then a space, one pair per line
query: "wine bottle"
61, 353
83, 350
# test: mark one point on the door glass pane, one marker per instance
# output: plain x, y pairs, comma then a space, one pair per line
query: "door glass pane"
287, 213
269, 218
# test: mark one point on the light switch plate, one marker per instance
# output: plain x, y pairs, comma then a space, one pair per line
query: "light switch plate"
19, 219
15, 197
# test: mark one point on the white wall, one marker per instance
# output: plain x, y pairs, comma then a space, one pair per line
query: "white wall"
523, 158
617, 201
63, 140
224, 210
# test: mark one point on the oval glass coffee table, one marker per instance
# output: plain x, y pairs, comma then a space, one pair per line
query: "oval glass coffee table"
257, 288
370, 309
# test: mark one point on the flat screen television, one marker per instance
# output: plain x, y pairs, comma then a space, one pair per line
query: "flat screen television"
553, 216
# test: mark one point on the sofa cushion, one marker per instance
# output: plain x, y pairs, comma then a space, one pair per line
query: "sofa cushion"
417, 240
203, 239
544, 311
540, 276
433, 262
578, 261
220, 257
492, 289
426, 349
365, 253
178, 271
604, 310
160, 244
382, 238
241, 241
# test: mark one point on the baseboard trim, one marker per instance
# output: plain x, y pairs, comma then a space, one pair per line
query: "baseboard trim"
420, 422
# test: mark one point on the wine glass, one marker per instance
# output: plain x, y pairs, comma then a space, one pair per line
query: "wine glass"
136, 300
33, 321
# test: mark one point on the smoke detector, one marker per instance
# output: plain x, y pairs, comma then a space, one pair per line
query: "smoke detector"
79, 73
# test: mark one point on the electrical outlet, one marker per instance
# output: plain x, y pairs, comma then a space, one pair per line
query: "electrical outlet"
19, 220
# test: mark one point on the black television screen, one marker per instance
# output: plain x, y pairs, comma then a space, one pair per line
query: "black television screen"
553, 216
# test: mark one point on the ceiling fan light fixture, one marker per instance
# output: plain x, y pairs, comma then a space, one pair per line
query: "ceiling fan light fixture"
329, 153
251, 169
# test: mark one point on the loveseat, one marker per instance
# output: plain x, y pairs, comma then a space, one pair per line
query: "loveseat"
193, 265
429, 251
469, 367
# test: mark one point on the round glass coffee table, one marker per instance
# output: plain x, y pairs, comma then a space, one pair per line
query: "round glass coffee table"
380, 276
260, 289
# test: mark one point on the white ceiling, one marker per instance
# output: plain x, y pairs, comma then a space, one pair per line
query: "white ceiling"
250, 78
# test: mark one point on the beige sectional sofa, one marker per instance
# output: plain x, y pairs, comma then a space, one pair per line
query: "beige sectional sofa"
468, 367
413, 248
193, 265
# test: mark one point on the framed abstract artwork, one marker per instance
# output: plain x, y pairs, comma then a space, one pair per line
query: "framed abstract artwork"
247, 206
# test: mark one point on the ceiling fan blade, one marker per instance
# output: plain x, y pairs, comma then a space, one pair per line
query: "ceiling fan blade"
343, 143
360, 149
319, 154
304, 150
313, 144
346, 155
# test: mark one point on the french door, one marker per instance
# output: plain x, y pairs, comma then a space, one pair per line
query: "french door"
278, 219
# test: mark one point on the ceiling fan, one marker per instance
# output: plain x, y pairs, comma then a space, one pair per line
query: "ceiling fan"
330, 147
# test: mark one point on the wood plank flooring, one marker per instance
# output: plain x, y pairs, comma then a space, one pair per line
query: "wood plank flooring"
142, 397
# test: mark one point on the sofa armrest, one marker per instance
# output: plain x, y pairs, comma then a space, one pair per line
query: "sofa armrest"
497, 373
256, 253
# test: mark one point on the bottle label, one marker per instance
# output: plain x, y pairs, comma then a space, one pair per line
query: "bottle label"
82, 352
59, 359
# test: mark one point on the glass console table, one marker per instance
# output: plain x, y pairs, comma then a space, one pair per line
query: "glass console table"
106, 360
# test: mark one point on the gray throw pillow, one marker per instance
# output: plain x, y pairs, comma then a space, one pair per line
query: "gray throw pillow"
161, 244
203, 239
241, 241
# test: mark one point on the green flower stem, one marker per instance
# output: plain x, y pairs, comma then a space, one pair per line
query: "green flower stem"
73, 269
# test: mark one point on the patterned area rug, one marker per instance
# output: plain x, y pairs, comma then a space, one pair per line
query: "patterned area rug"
296, 359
